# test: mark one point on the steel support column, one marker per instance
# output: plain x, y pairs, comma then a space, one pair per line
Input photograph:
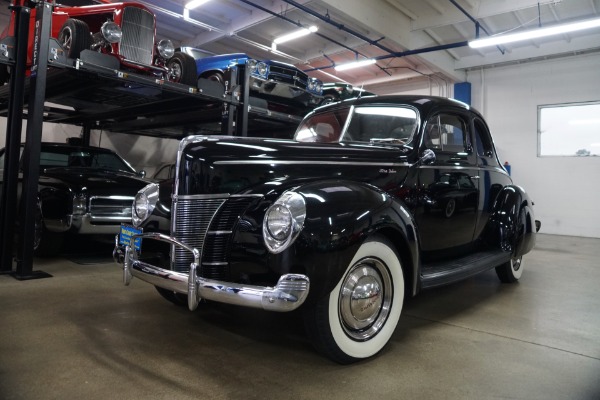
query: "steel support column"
33, 140
14, 124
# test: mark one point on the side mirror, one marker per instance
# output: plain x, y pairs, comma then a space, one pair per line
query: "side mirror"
427, 157
142, 173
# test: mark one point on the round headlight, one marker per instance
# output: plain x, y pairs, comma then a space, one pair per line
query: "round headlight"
251, 65
283, 221
279, 222
111, 32
144, 203
165, 48
141, 205
262, 68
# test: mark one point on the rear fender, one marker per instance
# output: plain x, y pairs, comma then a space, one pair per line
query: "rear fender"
511, 226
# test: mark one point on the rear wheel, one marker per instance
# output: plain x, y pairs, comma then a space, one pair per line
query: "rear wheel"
182, 69
74, 37
357, 319
511, 271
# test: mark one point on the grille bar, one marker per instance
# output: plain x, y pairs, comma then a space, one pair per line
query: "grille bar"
137, 43
110, 209
206, 224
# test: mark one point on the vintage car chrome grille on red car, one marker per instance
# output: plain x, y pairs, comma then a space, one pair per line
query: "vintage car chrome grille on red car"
137, 43
110, 209
206, 223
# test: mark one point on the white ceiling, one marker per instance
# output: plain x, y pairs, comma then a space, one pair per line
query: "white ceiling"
351, 29
225, 26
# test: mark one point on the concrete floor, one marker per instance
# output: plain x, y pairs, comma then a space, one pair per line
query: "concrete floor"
82, 335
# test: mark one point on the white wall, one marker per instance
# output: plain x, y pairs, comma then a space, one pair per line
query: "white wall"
566, 190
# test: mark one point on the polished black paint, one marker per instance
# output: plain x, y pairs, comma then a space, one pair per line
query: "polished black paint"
353, 190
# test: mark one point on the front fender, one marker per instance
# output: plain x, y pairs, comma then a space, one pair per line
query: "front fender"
340, 216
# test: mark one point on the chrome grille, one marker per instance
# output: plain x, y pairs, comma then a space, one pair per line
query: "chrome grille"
288, 75
137, 43
110, 209
206, 223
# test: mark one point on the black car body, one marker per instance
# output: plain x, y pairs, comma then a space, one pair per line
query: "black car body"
82, 190
344, 220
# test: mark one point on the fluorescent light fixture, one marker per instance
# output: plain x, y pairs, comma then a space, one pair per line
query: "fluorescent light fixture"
355, 64
190, 5
535, 33
295, 35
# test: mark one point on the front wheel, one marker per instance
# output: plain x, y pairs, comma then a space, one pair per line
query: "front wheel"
510, 271
357, 319
182, 69
45, 242
74, 37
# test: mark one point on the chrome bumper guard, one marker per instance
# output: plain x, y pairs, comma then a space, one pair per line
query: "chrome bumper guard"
289, 293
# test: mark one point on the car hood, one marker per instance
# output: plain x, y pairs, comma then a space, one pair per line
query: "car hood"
93, 181
250, 165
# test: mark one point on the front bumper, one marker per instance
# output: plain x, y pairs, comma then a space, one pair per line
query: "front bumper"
86, 224
285, 91
289, 293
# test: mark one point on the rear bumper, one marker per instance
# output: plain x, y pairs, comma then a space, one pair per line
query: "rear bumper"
289, 293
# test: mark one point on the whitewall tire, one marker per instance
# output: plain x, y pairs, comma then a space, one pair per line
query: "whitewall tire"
357, 319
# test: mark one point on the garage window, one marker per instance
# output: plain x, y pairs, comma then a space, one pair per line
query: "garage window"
569, 130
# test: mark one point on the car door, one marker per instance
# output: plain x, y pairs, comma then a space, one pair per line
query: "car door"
448, 187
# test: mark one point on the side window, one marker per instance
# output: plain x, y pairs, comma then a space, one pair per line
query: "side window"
483, 138
447, 133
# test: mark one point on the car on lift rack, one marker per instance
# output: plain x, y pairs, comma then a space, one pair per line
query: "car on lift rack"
82, 190
338, 91
268, 78
126, 31
342, 222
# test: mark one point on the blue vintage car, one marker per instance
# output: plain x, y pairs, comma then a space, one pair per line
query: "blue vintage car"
268, 77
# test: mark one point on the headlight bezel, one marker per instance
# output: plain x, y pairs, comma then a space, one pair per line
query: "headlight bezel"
80, 204
165, 48
111, 32
278, 237
144, 204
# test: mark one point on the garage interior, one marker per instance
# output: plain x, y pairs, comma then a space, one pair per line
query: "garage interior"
81, 333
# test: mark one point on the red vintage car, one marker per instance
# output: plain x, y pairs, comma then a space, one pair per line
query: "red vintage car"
126, 31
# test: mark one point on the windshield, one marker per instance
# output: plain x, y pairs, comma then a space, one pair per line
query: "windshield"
64, 157
368, 124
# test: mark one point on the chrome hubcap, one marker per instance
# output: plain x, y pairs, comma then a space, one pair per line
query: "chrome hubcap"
365, 299
516, 263
67, 37
175, 69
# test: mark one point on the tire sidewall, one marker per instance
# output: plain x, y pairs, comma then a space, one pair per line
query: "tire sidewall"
516, 274
363, 349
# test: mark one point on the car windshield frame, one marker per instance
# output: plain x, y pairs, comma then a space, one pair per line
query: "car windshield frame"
386, 124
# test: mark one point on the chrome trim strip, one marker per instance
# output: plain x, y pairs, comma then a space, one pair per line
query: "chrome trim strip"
257, 162
289, 293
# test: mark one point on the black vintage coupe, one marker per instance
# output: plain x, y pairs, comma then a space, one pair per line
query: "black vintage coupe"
375, 199
82, 190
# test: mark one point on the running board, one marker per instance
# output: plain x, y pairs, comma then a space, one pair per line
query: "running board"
444, 272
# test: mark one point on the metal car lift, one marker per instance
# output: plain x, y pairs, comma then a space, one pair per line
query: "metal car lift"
98, 95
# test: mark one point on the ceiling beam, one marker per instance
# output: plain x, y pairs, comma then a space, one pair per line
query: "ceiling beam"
485, 8
238, 25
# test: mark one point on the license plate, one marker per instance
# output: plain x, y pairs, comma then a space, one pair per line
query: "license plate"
127, 231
